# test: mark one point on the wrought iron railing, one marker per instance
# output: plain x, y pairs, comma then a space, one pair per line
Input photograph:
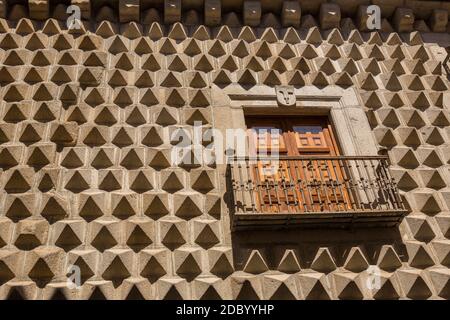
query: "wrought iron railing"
313, 184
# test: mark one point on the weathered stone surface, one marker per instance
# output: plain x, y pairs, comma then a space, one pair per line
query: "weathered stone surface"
89, 120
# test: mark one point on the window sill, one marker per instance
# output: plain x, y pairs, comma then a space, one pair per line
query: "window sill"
336, 220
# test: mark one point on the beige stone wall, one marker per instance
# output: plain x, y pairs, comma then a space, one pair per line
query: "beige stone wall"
85, 173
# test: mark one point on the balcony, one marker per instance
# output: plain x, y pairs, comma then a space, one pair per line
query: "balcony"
312, 191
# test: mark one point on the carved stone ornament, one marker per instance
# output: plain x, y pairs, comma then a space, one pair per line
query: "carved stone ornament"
285, 95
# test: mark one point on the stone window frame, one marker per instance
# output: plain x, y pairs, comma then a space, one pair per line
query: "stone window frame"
347, 116
351, 128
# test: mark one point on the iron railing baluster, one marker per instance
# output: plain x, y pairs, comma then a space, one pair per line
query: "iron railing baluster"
313, 184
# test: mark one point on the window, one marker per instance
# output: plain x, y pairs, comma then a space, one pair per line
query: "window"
307, 136
297, 135
295, 169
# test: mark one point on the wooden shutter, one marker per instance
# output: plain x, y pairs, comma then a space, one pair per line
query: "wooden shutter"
296, 185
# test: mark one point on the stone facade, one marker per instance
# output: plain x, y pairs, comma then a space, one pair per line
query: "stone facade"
85, 122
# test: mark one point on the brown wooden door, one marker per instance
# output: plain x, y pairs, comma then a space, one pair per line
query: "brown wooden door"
322, 180
268, 138
296, 185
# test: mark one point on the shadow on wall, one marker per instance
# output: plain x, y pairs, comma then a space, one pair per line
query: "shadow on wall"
273, 244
